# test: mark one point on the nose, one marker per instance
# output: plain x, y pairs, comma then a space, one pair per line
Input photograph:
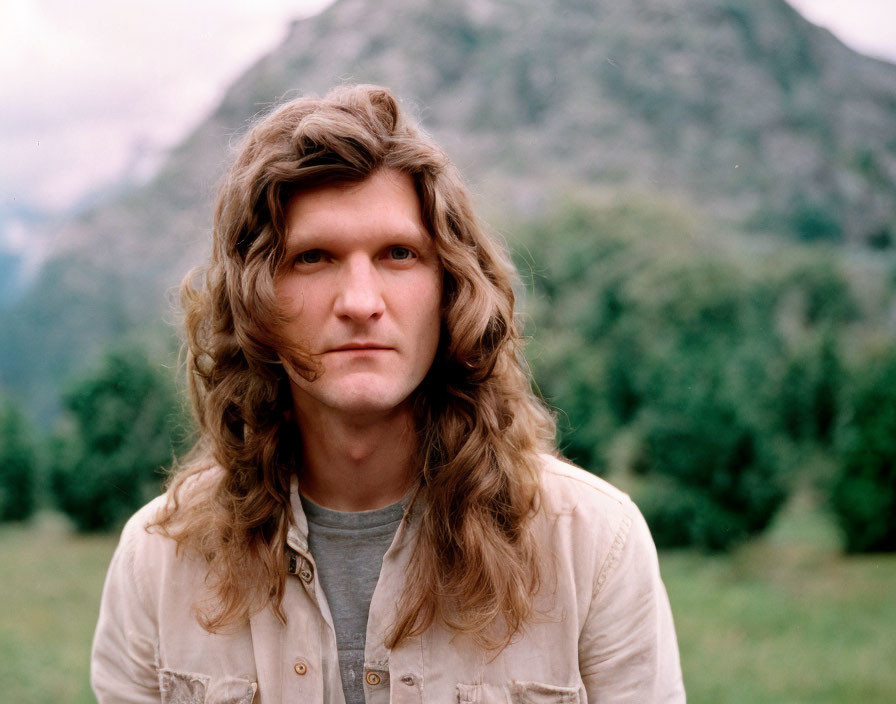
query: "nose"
360, 296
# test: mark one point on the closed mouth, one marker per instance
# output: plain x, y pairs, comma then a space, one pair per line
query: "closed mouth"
360, 348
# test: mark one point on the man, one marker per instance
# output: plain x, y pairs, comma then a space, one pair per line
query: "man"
375, 510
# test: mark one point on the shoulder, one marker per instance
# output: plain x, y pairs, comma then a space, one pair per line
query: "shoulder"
146, 550
149, 594
181, 498
140, 535
143, 551
591, 520
568, 489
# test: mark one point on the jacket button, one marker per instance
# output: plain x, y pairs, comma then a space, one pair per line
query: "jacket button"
373, 679
408, 680
306, 576
300, 668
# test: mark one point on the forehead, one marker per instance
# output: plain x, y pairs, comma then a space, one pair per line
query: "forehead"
385, 203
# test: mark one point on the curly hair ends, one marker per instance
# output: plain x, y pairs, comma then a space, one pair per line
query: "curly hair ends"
474, 565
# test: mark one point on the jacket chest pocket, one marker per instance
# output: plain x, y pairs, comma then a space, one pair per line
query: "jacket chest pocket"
192, 688
517, 693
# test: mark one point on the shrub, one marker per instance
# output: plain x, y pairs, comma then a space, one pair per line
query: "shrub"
681, 515
718, 363
863, 495
17, 465
808, 402
120, 433
813, 222
713, 480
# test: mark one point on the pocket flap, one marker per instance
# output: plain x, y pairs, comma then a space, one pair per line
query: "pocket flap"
194, 688
517, 693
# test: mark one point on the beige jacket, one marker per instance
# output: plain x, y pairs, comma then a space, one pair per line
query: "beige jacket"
604, 633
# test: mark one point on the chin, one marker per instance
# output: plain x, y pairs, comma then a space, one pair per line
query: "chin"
360, 395
370, 402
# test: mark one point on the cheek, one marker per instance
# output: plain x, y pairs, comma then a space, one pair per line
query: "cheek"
421, 314
295, 301
429, 302
283, 295
431, 325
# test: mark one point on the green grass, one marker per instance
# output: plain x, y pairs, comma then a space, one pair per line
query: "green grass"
50, 583
785, 619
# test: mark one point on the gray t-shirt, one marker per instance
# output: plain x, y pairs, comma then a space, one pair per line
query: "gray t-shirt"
348, 551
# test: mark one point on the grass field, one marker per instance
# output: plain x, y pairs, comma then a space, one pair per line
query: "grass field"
785, 619
50, 584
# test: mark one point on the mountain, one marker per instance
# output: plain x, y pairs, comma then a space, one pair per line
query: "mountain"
740, 109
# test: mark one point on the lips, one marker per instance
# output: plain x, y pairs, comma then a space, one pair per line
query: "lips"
360, 346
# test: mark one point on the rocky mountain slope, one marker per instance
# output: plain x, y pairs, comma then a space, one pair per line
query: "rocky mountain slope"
741, 110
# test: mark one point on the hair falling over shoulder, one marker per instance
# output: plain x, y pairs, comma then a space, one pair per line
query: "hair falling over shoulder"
474, 566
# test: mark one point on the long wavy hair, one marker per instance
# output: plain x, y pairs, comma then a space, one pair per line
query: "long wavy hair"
473, 566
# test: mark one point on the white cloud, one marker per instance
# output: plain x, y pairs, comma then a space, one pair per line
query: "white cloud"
84, 82
868, 26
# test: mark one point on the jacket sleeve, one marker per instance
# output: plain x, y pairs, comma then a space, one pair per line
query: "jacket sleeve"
123, 665
627, 648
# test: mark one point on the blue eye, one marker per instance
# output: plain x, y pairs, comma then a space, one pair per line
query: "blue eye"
401, 253
312, 256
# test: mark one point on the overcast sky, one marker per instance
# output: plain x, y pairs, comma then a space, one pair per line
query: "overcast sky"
90, 86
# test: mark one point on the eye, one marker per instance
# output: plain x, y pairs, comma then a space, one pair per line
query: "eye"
312, 256
401, 253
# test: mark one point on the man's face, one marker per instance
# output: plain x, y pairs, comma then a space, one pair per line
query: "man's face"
363, 286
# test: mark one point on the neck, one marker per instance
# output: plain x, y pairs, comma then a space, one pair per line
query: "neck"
356, 463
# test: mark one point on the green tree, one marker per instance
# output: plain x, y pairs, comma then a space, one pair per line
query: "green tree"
808, 403
863, 495
122, 428
17, 465
714, 481
639, 328
588, 330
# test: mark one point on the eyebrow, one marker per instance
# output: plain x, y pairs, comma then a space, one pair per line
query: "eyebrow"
297, 242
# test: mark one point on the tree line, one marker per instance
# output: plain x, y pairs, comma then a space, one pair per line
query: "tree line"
714, 376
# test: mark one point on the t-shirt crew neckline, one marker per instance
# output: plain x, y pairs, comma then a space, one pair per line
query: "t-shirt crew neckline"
353, 520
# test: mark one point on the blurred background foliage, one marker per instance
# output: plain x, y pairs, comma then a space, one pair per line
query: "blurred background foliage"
124, 425
713, 381
18, 464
